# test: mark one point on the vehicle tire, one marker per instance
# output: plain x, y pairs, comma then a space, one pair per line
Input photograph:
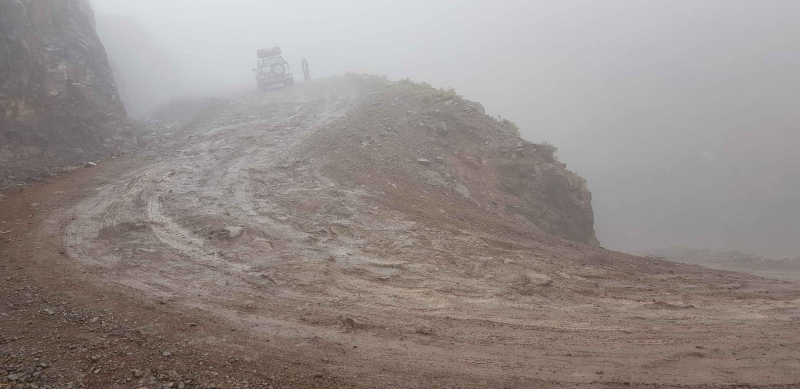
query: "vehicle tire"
278, 70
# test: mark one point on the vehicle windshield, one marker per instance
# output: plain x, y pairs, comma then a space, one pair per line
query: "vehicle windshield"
267, 62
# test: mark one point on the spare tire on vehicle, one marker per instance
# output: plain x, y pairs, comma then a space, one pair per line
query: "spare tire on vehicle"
278, 69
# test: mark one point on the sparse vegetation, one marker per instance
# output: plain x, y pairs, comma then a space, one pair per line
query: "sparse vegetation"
513, 126
548, 150
428, 93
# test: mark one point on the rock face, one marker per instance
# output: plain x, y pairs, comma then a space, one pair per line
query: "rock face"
58, 97
547, 194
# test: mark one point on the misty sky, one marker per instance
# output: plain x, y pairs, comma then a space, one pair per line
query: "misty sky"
682, 115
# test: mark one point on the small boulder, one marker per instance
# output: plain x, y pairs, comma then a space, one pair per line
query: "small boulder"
477, 106
531, 283
441, 129
423, 162
234, 231
351, 323
473, 162
537, 279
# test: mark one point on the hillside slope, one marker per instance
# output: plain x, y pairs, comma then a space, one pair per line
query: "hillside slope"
413, 140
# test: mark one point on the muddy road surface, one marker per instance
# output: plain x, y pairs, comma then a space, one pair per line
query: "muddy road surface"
229, 254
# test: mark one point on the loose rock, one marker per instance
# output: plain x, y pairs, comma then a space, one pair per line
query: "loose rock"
539, 279
441, 129
234, 231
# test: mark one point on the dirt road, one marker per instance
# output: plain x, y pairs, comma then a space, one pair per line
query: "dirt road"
240, 251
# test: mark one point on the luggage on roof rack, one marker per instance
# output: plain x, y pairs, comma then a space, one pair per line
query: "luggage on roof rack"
264, 53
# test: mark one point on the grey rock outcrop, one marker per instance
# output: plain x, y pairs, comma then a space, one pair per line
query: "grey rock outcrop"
58, 98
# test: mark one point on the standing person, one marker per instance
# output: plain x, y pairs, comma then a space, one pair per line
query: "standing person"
306, 73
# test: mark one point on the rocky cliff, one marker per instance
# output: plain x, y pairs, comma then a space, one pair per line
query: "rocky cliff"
58, 99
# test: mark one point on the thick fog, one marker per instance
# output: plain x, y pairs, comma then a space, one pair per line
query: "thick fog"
684, 116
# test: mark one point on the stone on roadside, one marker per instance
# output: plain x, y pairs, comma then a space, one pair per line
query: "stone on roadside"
89, 164
234, 231
423, 162
538, 279
531, 283
166, 354
351, 323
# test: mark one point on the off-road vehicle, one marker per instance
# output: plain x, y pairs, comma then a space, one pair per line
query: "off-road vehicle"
272, 69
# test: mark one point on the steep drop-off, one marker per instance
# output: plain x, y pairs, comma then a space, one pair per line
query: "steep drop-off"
146, 74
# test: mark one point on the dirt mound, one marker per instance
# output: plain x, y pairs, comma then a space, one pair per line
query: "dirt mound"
58, 99
427, 149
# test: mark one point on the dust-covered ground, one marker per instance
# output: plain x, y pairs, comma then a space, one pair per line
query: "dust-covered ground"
783, 269
294, 238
